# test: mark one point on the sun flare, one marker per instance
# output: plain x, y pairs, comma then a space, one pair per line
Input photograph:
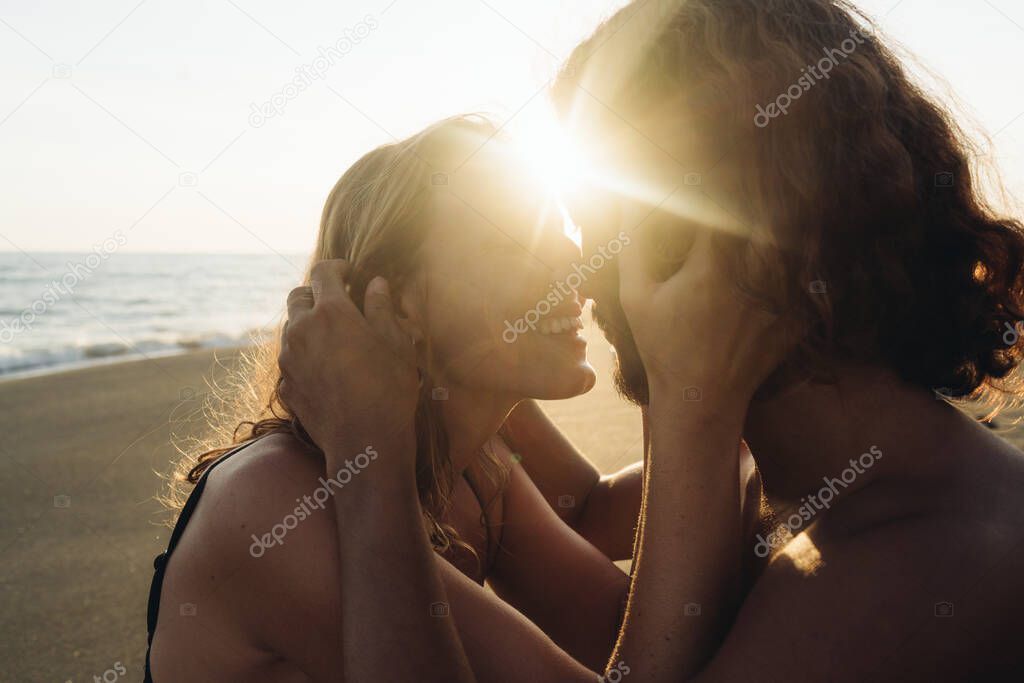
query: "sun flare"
557, 160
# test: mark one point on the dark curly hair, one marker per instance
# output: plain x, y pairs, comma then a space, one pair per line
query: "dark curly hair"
883, 248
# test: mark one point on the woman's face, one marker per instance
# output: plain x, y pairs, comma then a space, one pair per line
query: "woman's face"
499, 312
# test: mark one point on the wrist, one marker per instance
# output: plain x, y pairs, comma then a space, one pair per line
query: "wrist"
350, 437
374, 452
702, 405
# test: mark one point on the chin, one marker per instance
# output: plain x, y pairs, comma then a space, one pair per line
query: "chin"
558, 385
631, 383
630, 377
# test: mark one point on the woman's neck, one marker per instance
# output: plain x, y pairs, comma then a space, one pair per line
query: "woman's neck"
471, 419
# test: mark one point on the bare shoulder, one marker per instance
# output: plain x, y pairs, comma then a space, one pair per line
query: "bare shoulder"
263, 528
932, 594
270, 501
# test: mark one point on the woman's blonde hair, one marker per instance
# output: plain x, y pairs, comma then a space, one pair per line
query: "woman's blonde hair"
375, 218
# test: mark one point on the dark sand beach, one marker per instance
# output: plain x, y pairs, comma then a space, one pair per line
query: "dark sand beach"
78, 466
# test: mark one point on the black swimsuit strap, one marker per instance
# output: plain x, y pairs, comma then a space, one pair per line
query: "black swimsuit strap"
160, 562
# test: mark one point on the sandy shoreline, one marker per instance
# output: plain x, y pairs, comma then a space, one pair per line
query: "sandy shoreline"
79, 462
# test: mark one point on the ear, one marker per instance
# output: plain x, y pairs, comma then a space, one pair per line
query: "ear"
410, 311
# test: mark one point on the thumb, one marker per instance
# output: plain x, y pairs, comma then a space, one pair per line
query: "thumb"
380, 314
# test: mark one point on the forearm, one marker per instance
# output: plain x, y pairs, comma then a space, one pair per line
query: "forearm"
563, 475
686, 576
390, 584
611, 511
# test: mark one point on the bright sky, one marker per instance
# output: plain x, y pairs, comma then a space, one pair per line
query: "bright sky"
135, 116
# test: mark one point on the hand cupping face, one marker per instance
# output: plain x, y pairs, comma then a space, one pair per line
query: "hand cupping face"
693, 329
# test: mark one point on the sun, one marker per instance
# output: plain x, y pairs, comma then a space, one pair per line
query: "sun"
554, 157
556, 161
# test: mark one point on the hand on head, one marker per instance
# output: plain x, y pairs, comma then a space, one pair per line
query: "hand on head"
341, 371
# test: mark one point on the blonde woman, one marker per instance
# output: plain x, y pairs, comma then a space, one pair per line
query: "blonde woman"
251, 587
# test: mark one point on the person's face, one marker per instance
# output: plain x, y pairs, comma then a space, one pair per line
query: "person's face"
657, 186
632, 181
500, 312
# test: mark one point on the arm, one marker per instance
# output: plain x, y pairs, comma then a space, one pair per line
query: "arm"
603, 509
373, 364
398, 604
558, 580
687, 575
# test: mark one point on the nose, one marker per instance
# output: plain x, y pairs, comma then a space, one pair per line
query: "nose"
566, 267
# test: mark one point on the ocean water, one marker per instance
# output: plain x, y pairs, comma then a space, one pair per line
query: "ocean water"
58, 310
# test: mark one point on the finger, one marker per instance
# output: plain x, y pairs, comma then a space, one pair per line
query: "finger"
380, 315
327, 279
300, 301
